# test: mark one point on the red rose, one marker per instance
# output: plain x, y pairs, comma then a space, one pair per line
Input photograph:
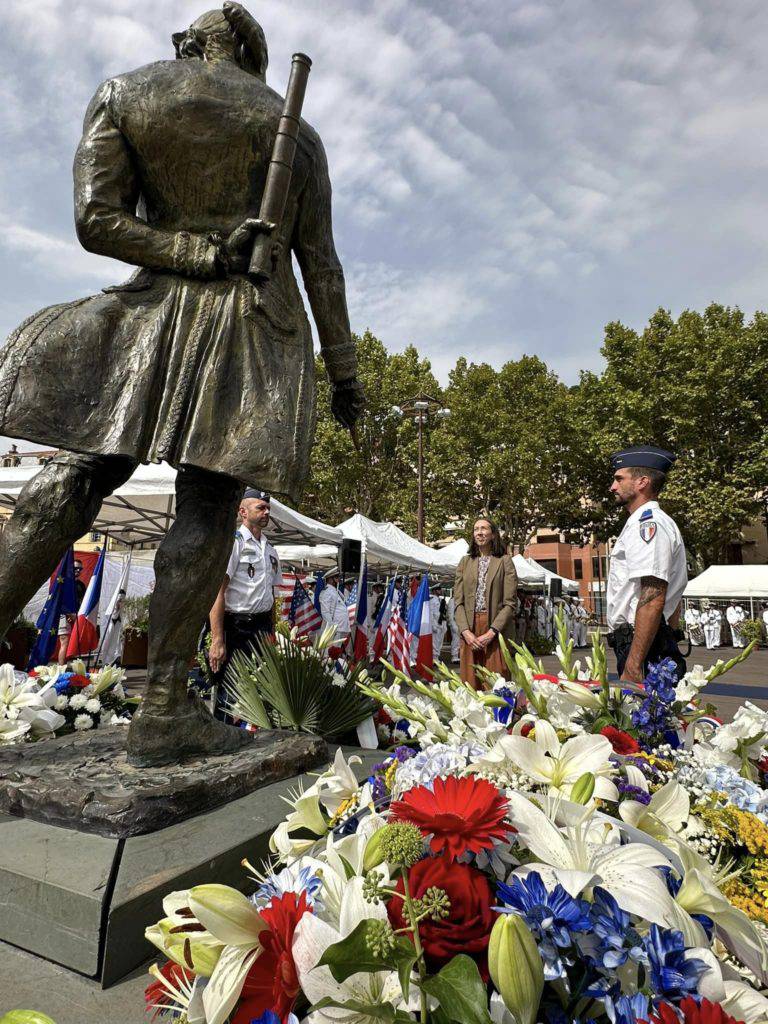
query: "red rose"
467, 929
621, 741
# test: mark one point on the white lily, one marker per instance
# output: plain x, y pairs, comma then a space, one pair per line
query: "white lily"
699, 894
745, 1003
16, 694
690, 684
12, 731
235, 922
558, 765
665, 815
339, 783
193, 948
340, 856
311, 939
589, 854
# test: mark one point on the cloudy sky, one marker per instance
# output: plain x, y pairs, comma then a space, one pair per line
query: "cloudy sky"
508, 176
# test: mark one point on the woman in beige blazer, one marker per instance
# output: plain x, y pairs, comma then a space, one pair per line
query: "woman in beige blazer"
485, 595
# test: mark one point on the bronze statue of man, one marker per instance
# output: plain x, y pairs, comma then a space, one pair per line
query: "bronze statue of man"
187, 361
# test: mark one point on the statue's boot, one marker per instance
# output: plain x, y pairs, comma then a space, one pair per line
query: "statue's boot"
190, 731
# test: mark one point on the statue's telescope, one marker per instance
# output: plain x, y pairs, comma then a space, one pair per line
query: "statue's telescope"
280, 170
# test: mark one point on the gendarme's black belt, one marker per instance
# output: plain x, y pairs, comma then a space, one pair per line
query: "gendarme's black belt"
245, 619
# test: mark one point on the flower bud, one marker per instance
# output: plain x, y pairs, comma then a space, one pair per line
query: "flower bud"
515, 967
374, 854
583, 788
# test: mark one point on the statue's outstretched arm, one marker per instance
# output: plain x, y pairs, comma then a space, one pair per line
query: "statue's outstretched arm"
322, 273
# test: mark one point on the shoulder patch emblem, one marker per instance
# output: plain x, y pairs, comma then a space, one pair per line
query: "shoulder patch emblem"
648, 514
648, 531
273, 560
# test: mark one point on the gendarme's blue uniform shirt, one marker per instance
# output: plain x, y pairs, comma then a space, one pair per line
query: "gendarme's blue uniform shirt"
649, 545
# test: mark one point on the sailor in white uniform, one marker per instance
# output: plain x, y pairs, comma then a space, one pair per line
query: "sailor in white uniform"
333, 607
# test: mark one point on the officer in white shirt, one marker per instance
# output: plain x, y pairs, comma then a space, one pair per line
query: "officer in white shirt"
648, 567
244, 608
333, 607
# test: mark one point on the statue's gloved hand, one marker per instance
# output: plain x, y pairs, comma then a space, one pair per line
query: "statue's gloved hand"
347, 401
235, 250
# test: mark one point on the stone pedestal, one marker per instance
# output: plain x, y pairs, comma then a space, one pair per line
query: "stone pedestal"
84, 871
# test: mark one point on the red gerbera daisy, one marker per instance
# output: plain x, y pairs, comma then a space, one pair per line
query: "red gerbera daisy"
702, 1012
272, 982
460, 814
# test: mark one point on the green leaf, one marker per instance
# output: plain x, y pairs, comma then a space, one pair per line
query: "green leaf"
460, 991
25, 1017
379, 1011
352, 955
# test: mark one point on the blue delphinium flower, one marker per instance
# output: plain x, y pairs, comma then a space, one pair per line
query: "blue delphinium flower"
654, 719
673, 976
289, 880
612, 940
553, 917
508, 695
270, 1017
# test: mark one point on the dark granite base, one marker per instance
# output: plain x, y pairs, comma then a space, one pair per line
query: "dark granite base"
83, 781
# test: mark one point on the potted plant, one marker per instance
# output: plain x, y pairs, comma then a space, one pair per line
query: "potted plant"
135, 615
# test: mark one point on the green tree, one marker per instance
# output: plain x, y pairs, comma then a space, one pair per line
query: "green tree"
697, 386
505, 448
378, 477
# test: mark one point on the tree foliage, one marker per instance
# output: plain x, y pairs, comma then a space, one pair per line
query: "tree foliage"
532, 452
378, 478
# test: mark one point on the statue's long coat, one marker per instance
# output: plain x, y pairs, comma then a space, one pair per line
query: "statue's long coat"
212, 373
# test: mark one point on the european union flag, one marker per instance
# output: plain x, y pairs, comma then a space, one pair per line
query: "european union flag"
62, 599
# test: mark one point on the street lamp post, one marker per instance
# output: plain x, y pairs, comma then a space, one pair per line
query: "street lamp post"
419, 409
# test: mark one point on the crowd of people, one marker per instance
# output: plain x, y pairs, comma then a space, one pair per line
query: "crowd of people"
704, 623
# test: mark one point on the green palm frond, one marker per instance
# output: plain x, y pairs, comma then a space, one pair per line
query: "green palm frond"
290, 686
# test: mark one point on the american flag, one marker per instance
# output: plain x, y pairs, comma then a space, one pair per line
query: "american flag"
399, 637
303, 614
351, 603
284, 596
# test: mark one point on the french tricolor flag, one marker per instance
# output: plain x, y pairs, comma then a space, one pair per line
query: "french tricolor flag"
84, 637
420, 627
381, 625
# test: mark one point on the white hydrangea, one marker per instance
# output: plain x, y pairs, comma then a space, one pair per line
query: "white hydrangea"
93, 705
77, 701
83, 722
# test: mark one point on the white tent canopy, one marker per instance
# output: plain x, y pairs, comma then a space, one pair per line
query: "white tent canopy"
571, 585
390, 549
726, 581
143, 509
